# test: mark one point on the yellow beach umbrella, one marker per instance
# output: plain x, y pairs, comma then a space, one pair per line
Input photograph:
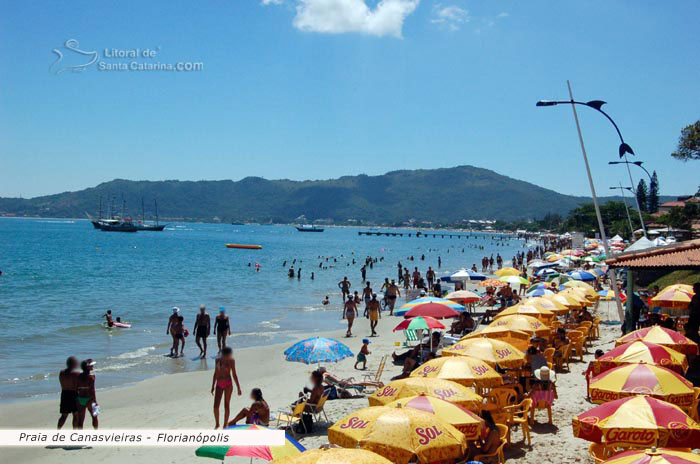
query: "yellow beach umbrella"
517, 338
458, 416
412, 386
508, 271
563, 299
334, 456
576, 283
661, 336
490, 350
463, 370
654, 456
641, 352
555, 306
580, 297
399, 434
523, 323
527, 309
642, 379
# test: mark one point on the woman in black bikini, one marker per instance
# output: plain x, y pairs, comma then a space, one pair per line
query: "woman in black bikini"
222, 328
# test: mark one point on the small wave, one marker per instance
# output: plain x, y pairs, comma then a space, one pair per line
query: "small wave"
270, 324
57, 222
141, 352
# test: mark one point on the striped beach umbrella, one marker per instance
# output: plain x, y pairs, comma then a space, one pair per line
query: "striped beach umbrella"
399, 434
661, 336
538, 292
419, 323
463, 370
334, 456
291, 447
489, 350
317, 350
654, 456
582, 275
412, 386
641, 352
641, 379
673, 297
514, 280
406, 307
637, 421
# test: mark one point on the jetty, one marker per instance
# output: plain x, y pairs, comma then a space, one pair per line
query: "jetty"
413, 234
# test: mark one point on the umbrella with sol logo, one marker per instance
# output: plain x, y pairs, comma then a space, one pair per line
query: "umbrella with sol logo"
399, 434
637, 421
522, 323
460, 417
642, 379
464, 370
661, 336
490, 350
412, 386
527, 309
334, 456
517, 338
641, 352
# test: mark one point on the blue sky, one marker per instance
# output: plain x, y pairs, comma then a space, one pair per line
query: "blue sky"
310, 89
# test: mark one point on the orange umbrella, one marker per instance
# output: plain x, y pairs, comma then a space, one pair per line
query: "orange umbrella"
412, 386
637, 421
492, 283
399, 434
490, 350
464, 370
641, 352
463, 297
641, 379
459, 417
661, 336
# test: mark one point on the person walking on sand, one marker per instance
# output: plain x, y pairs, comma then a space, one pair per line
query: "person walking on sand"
362, 355
68, 378
373, 309
349, 313
201, 329
367, 294
86, 397
222, 328
430, 276
222, 383
172, 320
344, 286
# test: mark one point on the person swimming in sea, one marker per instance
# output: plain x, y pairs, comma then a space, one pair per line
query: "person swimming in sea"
222, 383
108, 316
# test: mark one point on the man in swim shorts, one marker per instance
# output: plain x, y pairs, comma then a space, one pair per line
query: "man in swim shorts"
202, 328
374, 313
68, 378
392, 292
108, 316
172, 321
222, 328
344, 286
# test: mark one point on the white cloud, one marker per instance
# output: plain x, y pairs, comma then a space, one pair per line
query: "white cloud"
502, 14
450, 17
271, 2
342, 16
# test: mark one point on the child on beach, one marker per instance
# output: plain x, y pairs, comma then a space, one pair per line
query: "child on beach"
222, 383
589, 370
362, 355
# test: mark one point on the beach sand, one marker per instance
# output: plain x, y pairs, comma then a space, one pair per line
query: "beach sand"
183, 401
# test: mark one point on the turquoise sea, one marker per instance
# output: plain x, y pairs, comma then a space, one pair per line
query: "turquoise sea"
59, 276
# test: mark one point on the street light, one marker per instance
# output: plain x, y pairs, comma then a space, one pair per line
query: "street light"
636, 163
623, 150
624, 200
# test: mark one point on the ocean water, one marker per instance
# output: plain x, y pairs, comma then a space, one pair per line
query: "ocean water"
59, 277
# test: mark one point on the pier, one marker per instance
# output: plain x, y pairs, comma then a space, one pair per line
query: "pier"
414, 234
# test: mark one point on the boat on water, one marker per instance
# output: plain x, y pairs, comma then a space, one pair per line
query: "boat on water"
152, 227
309, 228
126, 225
244, 246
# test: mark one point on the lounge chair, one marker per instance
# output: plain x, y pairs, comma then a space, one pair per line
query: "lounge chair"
317, 409
288, 419
375, 379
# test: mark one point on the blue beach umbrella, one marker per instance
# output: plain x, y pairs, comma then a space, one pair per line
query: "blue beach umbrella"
317, 350
539, 292
582, 275
546, 272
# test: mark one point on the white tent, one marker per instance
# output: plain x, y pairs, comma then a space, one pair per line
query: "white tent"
641, 244
617, 238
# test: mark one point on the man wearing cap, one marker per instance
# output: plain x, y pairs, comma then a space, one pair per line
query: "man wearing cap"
172, 322
202, 328
374, 313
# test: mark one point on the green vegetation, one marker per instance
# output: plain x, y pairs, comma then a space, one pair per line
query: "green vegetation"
689, 143
681, 217
677, 277
440, 196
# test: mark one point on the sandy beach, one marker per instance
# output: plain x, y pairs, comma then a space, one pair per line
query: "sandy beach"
183, 400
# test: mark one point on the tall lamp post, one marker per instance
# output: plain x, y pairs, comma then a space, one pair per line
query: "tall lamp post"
623, 149
636, 163
624, 200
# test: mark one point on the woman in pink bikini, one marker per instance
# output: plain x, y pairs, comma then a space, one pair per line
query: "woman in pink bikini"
222, 383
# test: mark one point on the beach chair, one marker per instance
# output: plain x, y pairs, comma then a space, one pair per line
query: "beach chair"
549, 355
498, 454
376, 377
317, 409
585, 327
595, 328
288, 419
577, 340
519, 415
541, 405
411, 338
559, 361
502, 397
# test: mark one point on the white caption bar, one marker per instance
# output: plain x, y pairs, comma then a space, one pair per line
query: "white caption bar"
29, 437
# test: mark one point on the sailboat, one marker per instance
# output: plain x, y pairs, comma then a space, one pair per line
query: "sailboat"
150, 227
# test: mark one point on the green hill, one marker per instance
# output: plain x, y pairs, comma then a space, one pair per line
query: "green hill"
439, 195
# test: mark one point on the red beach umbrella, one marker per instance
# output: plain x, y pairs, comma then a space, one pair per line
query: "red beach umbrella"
434, 310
